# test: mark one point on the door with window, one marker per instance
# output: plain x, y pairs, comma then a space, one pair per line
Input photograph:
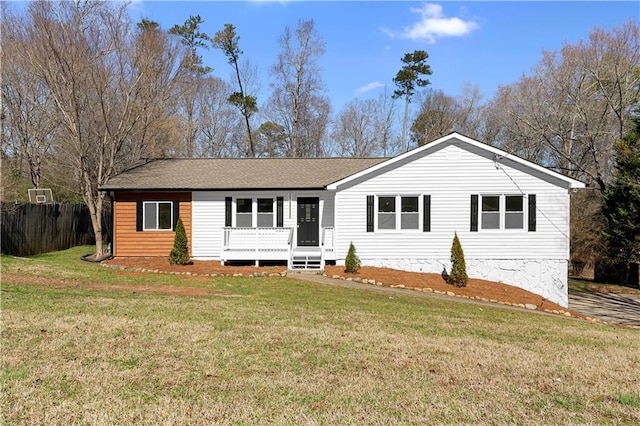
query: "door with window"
308, 223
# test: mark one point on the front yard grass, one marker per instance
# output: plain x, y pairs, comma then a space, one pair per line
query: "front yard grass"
88, 348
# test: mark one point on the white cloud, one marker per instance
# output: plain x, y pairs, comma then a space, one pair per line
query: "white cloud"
432, 25
369, 87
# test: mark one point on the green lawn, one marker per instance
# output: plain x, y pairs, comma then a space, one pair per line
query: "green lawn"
583, 285
90, 347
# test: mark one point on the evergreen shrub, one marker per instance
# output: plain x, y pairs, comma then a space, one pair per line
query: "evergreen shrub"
180, 252
458, 276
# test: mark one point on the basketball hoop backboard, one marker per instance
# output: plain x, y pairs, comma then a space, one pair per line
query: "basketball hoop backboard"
41, 196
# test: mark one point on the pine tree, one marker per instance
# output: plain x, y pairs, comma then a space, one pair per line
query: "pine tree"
180, 252
458, 276
622, 208
352, 262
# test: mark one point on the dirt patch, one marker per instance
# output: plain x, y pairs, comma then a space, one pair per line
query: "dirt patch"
131, 288
161, 264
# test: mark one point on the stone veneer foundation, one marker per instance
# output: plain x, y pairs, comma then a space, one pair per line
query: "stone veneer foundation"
546, 277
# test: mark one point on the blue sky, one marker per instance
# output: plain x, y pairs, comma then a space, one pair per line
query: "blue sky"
484, 43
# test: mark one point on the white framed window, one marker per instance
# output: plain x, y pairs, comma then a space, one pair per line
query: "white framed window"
514, 212
265, 213
502, 212
401, 212
409, 213
244, 212
158, 215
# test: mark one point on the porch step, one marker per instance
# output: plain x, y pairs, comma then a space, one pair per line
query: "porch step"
306, 259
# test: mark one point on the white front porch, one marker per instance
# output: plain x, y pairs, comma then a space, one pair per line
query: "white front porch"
276, 244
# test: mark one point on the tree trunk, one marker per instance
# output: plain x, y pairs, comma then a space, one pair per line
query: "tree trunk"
405, 123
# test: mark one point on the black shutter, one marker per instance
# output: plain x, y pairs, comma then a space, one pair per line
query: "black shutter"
426, 213
139, 216
474, 213
532, 212
279, 212
176, 213
369, 213
227, 211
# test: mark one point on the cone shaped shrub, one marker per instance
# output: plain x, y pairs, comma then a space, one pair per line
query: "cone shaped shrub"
458, 276
180, 252
352, 261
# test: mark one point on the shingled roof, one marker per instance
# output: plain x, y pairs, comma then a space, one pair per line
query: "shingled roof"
238, 173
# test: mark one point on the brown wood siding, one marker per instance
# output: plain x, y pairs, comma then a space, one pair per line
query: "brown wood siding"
132, 243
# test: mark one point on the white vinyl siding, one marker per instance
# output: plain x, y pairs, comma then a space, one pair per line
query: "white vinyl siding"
438, 173
208, 214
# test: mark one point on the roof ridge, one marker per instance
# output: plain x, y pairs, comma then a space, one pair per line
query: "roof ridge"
149, 160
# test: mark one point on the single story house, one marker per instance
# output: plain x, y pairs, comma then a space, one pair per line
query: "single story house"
511, 216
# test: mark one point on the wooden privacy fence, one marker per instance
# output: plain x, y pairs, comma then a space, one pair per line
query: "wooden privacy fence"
29, 229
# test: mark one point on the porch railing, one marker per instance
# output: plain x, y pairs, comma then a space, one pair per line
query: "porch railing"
257, 243
328, 243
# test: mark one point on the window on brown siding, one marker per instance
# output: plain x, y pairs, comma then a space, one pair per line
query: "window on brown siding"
158, 215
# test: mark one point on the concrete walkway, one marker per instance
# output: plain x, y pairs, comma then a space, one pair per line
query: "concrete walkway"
609, 307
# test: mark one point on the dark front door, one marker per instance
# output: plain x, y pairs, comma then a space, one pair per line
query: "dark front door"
308, 224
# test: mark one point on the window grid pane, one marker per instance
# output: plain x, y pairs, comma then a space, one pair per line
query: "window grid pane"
409, 204
265, 205
244, 205
409, 221
265, 220
243, 220
514, 203
386, 221
387, 204
491, 204
514, 220
490, 220
150, 214
164, 215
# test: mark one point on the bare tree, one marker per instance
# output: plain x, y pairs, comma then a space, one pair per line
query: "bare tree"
221, 127
384, 123
364, 128
354, 129
436, 117
577, 103
298, 103
88, 56
441, 114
